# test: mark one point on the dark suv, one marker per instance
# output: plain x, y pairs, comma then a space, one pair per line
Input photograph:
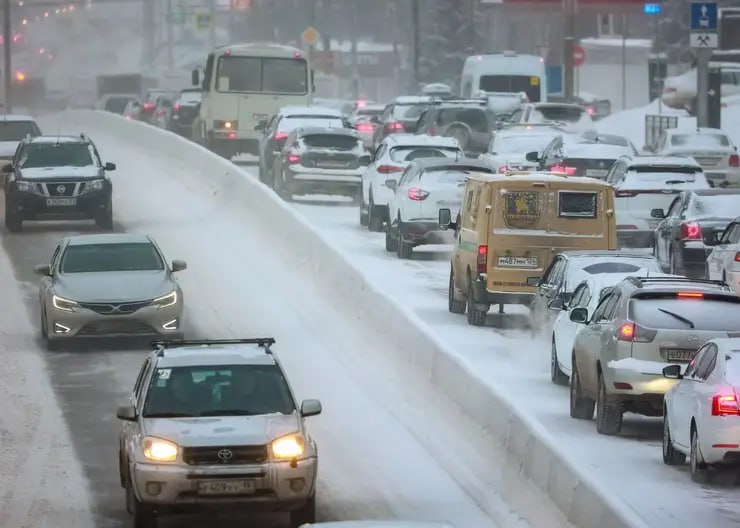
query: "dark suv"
58, 178
469, 122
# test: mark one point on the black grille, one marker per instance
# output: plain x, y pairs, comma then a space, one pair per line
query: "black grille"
116, 327
60, 189
115, 308
198, 456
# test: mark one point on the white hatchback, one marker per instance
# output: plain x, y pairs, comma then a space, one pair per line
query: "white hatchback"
701, 413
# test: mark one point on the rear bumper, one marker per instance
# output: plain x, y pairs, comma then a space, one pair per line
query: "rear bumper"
233, 146
720, 444
426, 231
482, 295
645, 395
305, 180
723, 177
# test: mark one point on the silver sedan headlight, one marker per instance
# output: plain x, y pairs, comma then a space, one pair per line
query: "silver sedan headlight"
165, 301
66, 305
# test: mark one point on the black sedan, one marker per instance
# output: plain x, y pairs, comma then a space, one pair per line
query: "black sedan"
692, 216
184, 111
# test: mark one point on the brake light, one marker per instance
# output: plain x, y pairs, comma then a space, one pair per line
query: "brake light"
591, 110
482, 259
395, 126
418, 194
562, 169
503, 169
627, 332
364, 127
389, 169
690, 231
624, 194
232, 135
176, 107
737, 257
294, 158
725, 405
690, 295
148, 106
635, 333
279, 136
734, 160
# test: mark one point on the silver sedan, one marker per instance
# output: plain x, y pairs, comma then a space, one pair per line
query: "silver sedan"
109, 285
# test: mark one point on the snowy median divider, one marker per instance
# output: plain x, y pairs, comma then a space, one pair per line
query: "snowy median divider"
528, 446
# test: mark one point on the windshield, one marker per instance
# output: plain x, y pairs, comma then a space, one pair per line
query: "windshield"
331, 141
719, 206
291, 123
411, 153
521, 144
703, 314
117, 104
258, 75
88, 258
17, 130
189, 98
408, 111
529, 84
700, 140
38, 155
223, 390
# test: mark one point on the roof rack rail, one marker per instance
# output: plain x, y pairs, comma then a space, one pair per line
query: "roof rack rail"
161, 345
471, 100
639, 281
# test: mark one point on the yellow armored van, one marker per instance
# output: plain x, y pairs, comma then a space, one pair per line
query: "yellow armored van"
509, 228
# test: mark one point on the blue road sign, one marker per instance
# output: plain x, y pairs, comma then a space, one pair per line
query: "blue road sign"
651, 9
704, 17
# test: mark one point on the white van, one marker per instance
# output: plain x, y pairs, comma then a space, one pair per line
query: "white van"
244, 85
505, 72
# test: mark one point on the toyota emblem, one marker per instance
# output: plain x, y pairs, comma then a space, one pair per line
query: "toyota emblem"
61, 189
225, 455
693, 338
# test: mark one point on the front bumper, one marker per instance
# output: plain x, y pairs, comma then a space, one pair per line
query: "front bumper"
277, 485
84, 322
482, 295
426, 231
646, 392
32, 206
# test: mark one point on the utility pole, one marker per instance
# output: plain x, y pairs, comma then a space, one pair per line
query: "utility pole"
569, 45
416, 46
7, 41
703, 40
212, 29
149, 33
702, 87
170, 38
355, 58
624, 61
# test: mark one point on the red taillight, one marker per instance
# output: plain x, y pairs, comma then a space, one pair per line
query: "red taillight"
503, 169
482, 259
690, 231
294, 158
591, 110
148, 106
737, 257
725, 405
626, 332
734, 160
389, 169
176, 107
562, 169
279, 136
633, 332
417, 194
624, 194
690, 295
232, 135
395, 126
364, 127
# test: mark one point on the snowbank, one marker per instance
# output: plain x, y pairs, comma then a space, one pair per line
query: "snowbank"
528, 445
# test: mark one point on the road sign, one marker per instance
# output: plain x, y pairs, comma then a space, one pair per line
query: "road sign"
310, 36
203, 20
579, 56
704, 17
652, 9
704, 40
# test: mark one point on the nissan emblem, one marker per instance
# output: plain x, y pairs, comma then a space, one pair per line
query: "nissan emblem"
61, 189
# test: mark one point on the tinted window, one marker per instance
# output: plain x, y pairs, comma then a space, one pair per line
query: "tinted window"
252, 74
611, 267
189, 98
706, 314
38, 155
117, 104
475, 118
560, 113
135, 256
225, 390
17, 130
408, 111
331, 141
411, 153
444, 176
530, 85
577, 204
722, 205
700, 140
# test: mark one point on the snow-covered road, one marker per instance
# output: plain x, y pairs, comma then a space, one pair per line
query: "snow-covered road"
390, 446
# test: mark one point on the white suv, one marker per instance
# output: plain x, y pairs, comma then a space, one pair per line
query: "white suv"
214, 425
391, 158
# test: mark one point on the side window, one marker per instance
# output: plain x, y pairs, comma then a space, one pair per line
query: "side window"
599, 311
585, 297
731, 234
675, 207
578, 295
380, 152
208, 74
611, 307
516, 116
706, 363
616, 175
474, 207
407, 175
140, 381
550, 272
558, 273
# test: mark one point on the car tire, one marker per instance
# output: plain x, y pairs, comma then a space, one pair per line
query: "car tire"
364, 211
581, 407
453, 305
475, 317
404, 249
306, 514
375, 218
143, 516
608, 415
697, 467
557, 376
105, 219
390, 240
671, 457
13, 223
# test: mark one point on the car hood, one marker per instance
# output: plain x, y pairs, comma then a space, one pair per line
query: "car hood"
53, 173
120, 286
8, 148
222, 431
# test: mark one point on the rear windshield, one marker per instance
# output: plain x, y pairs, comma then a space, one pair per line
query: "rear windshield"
475, 118
89, 258
620, 266
408, 111
700, 140
443, 176
666, 179
560, 113
17, 130
681, 314
577, 204
331, 141
521, 144
370, 112
529, 84
718, 206
189, 98
293, 122
412, 153
117, 104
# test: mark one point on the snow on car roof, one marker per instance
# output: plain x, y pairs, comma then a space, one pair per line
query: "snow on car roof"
413, 99
109, 238
204, 355
290, 111
664, 161
539, 177
600, 281
16, 117
596, 150
421, 140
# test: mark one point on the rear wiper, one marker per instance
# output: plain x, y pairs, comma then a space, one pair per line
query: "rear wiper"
679, 317
674, 182
169, 415
228, 412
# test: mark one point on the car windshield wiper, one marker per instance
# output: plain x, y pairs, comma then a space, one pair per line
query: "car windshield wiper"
169, 415
679, 317
228, 412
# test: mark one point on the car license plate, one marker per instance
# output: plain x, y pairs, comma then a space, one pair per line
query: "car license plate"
226, 487
596, 173
56, 202
333, 163
519, 262
680, 354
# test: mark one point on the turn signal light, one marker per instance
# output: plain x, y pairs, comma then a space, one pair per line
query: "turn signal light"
482, 259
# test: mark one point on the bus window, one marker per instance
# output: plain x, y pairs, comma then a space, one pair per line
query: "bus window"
239, 74
258, 75
284, 76
529, 84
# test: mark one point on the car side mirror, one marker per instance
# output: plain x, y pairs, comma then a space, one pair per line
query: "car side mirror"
445, 220
310, 408
179, 265
364, 159
556, 305
711, 239
259, 127
657, 213
672, 372
533, 281
579, 315
44, 270
391, 184
110, 166
533, 156
8, 169
126, 413
195, 77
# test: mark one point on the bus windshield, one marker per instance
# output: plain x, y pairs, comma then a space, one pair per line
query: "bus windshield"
262, 75
529, 84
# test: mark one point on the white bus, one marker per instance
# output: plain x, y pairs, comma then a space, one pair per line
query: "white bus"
243, 85
505, 72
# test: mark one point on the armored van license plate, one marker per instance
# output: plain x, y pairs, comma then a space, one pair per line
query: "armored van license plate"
518, 262
56, 202
226, 487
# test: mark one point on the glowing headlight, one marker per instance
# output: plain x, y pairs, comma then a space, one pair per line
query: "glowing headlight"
288, 446
166, 300
60, 303
95, 185
24, 186
159, 450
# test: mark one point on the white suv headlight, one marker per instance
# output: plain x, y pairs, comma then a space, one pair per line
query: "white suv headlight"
159, 450
60, 303
289, 446
166, 301
94, 185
